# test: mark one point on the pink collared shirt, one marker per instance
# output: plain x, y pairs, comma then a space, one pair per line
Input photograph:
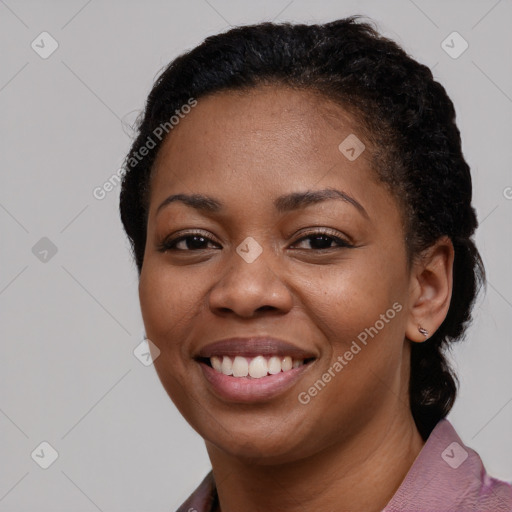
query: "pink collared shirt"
447, 476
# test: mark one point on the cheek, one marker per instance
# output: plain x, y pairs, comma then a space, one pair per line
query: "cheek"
359, 309
345, 300
169, 304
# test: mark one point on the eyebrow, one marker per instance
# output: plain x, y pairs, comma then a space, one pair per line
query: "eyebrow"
283, 204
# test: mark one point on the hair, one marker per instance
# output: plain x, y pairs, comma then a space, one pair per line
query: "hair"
405, 114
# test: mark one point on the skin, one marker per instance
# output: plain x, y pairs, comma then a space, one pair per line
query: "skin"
350, 447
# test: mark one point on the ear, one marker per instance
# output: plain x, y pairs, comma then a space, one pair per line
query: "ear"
430, 289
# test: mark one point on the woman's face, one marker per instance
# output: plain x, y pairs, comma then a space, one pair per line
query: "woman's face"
265, 257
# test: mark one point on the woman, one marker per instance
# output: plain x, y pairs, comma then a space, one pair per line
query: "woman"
300, 215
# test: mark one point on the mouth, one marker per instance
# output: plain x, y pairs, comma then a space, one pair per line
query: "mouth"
252, 369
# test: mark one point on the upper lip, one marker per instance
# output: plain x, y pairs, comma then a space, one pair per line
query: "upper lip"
252, 347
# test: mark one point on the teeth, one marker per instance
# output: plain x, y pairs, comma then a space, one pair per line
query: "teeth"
216, 363
240, 367
274, 365
227, 366
286, 363
256, 367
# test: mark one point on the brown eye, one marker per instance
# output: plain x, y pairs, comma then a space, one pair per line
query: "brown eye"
185, 243
321, 240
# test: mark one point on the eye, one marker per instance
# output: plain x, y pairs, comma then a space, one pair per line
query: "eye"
196, 241
322, 239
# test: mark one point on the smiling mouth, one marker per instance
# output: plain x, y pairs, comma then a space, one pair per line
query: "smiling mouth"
255, 367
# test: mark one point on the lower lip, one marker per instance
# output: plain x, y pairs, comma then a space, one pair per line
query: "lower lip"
249, 390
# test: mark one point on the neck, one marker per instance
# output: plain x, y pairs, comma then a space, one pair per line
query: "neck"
359, 474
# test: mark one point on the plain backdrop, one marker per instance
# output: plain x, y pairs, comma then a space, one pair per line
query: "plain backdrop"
70, 318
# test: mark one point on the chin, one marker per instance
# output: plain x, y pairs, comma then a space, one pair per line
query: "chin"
262, 446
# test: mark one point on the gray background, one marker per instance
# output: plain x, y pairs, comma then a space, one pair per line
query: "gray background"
70, 321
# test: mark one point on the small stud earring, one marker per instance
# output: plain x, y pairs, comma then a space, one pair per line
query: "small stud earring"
423, 331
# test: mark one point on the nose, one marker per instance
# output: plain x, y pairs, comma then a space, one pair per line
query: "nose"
246, 289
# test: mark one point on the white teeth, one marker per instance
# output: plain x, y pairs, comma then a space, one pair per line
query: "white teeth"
227, 366
256, 367
240, 367
274, 365
216, 363
286, 363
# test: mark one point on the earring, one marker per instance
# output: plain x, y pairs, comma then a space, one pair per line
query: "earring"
423, 331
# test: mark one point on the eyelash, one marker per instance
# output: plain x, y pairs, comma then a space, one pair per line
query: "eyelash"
170, 244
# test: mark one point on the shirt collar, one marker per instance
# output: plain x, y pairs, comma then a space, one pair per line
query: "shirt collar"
449, 476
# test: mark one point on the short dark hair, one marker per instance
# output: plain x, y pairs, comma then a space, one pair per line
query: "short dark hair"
406, 114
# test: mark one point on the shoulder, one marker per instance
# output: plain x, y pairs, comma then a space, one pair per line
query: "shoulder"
447, 476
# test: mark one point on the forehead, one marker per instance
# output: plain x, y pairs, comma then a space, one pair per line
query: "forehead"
268, 128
